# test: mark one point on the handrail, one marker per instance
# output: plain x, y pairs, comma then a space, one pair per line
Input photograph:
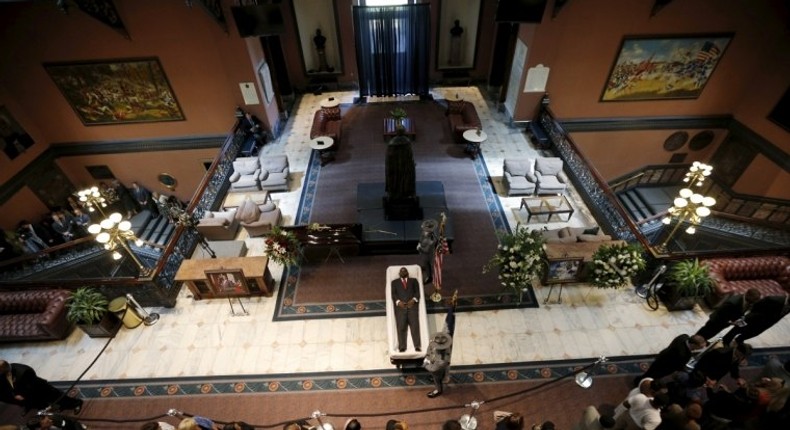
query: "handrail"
631, 178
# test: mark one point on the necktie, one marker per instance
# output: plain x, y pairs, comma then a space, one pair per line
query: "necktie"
404, 282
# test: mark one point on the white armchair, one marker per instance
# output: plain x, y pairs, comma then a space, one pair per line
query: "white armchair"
246, 174
548, 171
519, 176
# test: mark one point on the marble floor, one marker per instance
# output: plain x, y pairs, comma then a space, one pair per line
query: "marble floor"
202, 338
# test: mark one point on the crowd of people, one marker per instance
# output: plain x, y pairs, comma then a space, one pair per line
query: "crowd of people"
71, 220
696, 382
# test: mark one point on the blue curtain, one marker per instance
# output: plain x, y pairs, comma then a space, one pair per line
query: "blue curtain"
393, 49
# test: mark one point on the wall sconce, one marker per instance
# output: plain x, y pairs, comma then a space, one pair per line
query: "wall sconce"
114, 232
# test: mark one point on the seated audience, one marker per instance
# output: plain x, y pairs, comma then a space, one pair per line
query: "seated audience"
397, 425
776, 369
593, 420
238, 425
353, 424
154, 425
675, 417
643, 412
508, 420
197, 423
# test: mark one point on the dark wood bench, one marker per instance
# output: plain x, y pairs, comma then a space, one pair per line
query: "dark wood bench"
540, 136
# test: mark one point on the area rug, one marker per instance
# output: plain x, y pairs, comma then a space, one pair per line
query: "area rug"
356, 287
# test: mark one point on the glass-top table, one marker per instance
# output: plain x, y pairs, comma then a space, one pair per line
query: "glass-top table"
547, 205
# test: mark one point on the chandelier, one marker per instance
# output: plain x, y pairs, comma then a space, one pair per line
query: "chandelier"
94, 199
114, 232
689, 206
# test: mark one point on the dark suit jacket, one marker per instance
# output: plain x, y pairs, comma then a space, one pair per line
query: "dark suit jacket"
730, 309
766, 312
718, 362
671, 359
412, 290
26, 384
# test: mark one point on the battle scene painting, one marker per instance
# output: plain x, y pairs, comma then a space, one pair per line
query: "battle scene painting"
664, 67
117, 91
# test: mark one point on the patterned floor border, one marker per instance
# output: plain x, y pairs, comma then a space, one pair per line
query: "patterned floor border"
287, 307
371, 379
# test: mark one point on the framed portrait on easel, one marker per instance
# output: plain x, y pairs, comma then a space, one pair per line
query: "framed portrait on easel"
228, 282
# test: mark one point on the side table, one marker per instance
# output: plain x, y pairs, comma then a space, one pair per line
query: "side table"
323, 145
474, 138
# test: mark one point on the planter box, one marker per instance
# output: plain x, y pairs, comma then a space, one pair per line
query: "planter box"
675, 301
107, 327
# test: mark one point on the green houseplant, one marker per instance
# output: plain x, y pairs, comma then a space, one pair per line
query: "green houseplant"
687, 281
87, 307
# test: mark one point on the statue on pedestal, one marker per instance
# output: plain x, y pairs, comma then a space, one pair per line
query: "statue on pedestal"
400, 201
320, 46
455, 44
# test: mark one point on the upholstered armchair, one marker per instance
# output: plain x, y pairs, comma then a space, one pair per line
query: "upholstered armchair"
548, 171
519, 176
246, 174
258, 220
219, 225
274, 173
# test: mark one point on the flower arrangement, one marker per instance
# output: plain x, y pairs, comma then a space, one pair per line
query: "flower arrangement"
398, 113
615, 265
518, 258
282, 247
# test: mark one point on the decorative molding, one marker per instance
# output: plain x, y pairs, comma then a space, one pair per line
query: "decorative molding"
646, 123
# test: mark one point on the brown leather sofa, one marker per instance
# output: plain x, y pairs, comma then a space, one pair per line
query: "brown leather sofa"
462, 116
769, 274
326, 123
34, 315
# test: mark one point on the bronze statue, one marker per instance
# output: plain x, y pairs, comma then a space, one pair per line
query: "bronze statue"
400, 168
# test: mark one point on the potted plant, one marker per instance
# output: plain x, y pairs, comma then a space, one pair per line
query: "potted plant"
686, 282
87, 307
398, 114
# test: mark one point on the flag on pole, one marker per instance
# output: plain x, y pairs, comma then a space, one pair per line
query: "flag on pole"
449, 320
442, 248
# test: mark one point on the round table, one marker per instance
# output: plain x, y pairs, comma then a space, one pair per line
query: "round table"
474, 138
323, 145
330, 102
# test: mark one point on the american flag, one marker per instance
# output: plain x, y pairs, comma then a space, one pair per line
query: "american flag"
709, 51
442, 248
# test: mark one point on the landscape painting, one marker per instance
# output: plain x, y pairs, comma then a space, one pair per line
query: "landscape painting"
655, 68
117, 91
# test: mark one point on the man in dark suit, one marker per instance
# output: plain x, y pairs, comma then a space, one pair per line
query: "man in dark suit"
674, 357
19, 385
728, 312
715, 363
764, 314
405, 293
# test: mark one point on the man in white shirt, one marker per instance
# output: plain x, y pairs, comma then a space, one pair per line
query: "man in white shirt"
644, 413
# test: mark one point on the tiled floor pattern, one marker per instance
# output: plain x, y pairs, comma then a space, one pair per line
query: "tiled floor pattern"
200, 339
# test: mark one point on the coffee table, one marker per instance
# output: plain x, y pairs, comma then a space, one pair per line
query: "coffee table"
547, 205
391, 129
233, 200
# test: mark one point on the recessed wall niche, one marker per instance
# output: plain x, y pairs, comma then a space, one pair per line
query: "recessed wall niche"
456, 46
320, 52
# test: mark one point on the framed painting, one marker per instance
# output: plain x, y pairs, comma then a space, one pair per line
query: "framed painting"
660, 68
117, 91
227, 282
564, 270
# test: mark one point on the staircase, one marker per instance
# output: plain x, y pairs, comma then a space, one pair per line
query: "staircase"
645, 202
154, 230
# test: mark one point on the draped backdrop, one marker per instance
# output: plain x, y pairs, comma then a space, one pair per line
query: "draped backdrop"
393, 46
